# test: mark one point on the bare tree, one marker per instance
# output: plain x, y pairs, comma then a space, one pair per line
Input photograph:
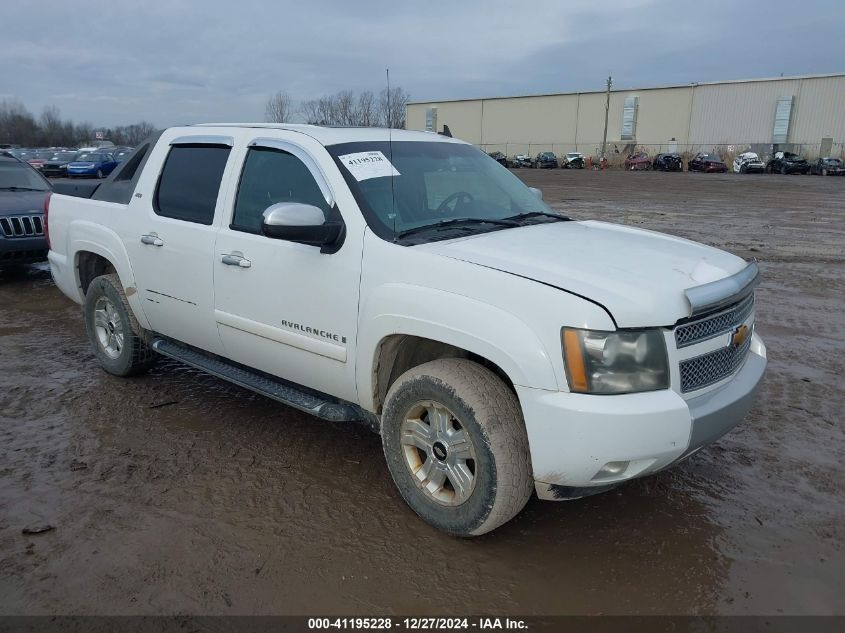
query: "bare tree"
344, 105
138, 132
392, 107
279, 108
17, 125
51, 126
366, 111
310, 111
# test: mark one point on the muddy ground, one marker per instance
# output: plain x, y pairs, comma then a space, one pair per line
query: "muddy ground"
178, 493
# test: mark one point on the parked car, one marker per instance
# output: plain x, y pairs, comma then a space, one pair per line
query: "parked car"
521, 160
638, 161
546, 160
38, 158
23, 192
707, 163
748, 163
828, 167
668, 162
573, 160
56, 166
787, 163
96, 164
535, 354
119, 153
499, 157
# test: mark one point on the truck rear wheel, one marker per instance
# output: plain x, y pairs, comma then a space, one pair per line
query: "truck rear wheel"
455, 444
114, 332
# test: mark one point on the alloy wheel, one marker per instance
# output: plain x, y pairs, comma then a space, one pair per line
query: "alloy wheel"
439, 453
108, 327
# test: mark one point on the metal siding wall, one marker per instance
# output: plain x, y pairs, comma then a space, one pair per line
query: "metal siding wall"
819, 111
530, 120
740, 113
662, 115
415, 115
706, 115
462, 117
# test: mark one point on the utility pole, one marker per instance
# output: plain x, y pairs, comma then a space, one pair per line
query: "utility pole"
606, 114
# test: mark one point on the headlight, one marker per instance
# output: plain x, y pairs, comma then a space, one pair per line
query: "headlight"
625, 361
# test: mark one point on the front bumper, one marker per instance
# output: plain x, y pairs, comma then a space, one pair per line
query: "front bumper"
574, 436
22, 250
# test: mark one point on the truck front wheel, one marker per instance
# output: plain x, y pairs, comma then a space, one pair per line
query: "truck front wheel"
455, 444
114, 332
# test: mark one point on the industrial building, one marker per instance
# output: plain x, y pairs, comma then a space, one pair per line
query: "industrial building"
804, 114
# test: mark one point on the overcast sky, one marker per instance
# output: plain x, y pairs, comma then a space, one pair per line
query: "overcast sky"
183, 61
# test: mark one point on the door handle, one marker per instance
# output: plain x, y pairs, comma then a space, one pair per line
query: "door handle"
152, 239
236, 260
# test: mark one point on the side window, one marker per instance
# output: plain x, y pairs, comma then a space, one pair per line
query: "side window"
270, 176
190, 181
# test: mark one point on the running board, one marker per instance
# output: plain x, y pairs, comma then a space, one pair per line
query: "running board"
286, 393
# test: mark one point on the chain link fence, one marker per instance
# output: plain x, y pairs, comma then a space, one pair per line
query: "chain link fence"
618, 151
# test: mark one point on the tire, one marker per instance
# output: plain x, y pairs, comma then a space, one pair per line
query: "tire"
119, 342
476, 411
743, 169
100, 175
783, 171
824, 172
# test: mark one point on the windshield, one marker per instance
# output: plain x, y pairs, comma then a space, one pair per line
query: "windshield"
89, 158
573, 155
63, 156
436, 181
547, 155
17, 176
832, 161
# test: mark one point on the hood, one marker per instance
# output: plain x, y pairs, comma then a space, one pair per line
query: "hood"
638, 276
15, 202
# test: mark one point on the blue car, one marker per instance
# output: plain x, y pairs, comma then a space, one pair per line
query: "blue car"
96, 164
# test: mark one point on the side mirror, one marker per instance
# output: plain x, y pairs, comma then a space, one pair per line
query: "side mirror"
537, 192
302, 223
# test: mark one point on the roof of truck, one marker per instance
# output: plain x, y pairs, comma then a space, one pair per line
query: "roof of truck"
332, 135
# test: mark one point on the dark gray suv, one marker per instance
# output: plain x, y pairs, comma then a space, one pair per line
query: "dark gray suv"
23, 192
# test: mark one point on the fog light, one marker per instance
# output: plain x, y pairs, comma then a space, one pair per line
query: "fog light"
611, 469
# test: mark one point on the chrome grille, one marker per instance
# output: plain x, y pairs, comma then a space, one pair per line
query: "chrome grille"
706, 369
22, 226
708, 327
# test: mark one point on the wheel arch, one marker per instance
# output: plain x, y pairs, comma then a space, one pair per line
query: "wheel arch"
391, 344
95, 255
397, 353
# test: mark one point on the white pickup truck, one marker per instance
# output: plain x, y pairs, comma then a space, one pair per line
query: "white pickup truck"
409, 281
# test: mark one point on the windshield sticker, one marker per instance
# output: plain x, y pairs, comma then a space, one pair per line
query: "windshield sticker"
366, 165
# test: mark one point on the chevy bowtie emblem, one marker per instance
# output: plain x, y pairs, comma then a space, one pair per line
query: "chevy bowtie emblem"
739, 336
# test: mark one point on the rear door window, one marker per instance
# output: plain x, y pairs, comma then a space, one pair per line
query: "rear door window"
190, 181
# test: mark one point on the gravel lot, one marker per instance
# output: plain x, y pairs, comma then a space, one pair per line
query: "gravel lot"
178, 493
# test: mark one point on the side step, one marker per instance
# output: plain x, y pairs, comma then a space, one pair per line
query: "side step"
287, 393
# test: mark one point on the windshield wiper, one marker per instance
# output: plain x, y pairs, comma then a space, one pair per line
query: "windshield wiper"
13, 188
456, 222
533, 214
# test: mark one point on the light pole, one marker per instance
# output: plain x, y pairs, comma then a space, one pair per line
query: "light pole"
606, 113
